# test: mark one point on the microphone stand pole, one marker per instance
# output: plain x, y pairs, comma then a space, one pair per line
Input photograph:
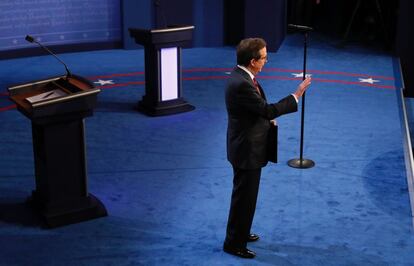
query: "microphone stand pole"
301, 162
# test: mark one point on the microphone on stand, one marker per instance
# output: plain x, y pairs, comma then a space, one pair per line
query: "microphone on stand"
300, 28
32, 40
301, 162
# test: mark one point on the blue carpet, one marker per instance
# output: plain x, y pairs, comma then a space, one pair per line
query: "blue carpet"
166, 182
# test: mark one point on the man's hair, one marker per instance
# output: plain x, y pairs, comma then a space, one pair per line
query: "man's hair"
248, 49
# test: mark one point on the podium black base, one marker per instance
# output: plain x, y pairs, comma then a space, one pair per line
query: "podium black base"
76, 211
165, 108
303, 164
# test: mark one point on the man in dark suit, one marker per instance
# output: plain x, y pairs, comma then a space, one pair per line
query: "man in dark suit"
249, 118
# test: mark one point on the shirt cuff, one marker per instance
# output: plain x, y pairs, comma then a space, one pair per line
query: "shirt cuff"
296, 99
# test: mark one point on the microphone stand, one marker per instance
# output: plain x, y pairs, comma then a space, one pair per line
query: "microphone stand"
301, 162
32, 40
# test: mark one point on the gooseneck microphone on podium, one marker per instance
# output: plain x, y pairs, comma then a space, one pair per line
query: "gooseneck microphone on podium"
32, 40
301, 162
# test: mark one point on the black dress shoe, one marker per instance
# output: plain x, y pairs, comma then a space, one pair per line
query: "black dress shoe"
240, 252
252, 238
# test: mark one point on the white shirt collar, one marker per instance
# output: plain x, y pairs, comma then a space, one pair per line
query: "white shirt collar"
246, 70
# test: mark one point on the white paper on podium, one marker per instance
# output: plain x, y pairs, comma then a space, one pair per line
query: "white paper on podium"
169, 74
46, 95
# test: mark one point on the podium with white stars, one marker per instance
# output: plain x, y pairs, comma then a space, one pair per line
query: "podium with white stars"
163, 88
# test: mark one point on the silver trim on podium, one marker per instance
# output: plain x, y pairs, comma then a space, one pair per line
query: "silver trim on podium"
172, 29
408, 148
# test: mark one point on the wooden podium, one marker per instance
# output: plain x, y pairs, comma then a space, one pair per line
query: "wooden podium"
163, 90
57, 108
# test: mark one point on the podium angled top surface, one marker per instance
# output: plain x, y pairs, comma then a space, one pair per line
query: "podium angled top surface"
54, 96
173, 36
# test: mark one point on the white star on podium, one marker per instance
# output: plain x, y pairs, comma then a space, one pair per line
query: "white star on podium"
104, 82
370, 80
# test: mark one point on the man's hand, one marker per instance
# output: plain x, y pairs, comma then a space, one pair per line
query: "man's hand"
302, 87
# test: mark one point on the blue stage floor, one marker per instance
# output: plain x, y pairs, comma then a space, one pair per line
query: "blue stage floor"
166, 182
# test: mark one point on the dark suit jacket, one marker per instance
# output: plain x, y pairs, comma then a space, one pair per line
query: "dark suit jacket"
249, 117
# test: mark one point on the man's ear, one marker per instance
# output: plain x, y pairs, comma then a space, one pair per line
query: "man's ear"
252, 62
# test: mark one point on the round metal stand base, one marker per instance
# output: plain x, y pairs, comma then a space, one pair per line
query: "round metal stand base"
303, 164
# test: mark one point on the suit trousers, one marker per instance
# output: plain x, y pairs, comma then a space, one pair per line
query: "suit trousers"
242, 207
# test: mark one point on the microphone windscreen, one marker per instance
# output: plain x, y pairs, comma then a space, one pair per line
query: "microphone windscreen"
29, 38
